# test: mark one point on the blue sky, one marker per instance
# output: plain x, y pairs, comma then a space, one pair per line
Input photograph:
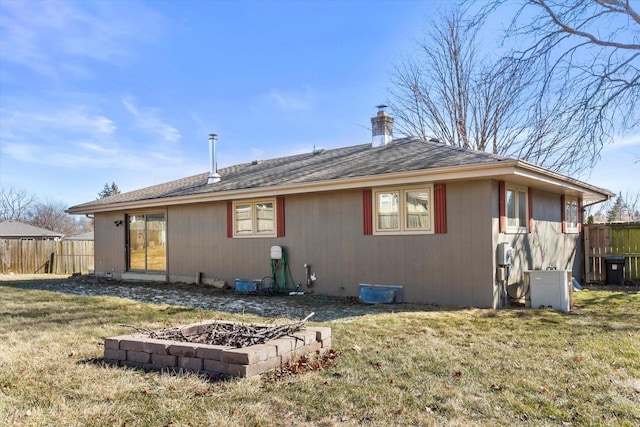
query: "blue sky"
128, 91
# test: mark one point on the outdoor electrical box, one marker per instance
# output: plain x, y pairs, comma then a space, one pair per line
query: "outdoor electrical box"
505, 254
276, 252
550, 288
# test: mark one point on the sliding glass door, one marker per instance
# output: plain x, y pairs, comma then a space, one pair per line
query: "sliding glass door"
147, 242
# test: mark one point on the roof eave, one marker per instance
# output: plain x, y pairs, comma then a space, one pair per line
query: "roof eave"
502, 169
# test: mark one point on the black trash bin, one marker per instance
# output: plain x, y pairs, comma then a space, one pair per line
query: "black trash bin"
615, 270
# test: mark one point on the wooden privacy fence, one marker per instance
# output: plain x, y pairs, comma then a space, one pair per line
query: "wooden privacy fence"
603, 240
46, 256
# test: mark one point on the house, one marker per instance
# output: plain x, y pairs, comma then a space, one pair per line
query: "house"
422, 215
18, 230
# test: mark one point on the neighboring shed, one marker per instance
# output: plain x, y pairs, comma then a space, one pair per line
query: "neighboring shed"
422, 215
18, 230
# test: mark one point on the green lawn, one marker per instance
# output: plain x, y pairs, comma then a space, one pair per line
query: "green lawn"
399, 365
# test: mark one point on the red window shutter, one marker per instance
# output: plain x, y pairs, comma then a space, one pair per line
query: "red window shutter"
280, 216
229, 219
440, 201
580, 216
367, 212
563, 213
502, 207
530, 203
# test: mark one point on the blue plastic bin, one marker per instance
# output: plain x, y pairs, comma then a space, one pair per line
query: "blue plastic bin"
246, 285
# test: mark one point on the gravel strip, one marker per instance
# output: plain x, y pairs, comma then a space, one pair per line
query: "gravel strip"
206, 298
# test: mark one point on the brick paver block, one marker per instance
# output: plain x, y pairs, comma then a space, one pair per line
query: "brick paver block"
112, 343
306, 338
246, 370
164, 360
211, 352
184, 350
283, 345
274, 362
248, 355
113, 354
138, 356
155, 346
131, 343
190, 363
322, 332
311, 348
215, 366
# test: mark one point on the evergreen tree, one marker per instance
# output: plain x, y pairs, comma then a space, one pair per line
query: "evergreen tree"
617, 210
108, 190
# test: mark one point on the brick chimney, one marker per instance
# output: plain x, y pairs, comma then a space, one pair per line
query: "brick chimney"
381, 128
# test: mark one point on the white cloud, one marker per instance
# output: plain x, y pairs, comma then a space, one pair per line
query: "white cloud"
55, 37
70, 119
291, 100
629, 140
148, 121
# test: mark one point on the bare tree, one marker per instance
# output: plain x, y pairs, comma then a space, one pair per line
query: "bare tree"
52, 216
452, 93
15, 204
584, 57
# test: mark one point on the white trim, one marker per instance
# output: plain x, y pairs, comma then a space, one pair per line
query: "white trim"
572, 228
519, 228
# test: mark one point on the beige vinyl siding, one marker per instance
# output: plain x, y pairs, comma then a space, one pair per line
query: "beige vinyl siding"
109, 241
325, 230
546, 246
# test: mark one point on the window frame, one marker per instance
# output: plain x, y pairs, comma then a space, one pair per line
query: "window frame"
571, 228
520, 227
254, 233
145, 230
403, 226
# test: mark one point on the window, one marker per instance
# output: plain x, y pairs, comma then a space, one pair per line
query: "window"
516, 209
147, 242
403, 211
254, 218
571, 215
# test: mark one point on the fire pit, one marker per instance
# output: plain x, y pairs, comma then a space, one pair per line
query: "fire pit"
189, 348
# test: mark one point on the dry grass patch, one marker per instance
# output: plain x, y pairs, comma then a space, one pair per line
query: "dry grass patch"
419, 365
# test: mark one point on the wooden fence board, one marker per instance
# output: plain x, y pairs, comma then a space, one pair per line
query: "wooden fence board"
46, 256
603, 240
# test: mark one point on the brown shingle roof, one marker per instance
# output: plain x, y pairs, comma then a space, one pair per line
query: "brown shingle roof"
402, 155
15, 229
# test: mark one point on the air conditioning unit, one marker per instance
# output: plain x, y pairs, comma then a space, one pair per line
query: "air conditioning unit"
550, 289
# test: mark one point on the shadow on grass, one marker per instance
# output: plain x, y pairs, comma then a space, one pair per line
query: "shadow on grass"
100, 362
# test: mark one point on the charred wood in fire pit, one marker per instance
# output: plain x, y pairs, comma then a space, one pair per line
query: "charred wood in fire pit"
227, 334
